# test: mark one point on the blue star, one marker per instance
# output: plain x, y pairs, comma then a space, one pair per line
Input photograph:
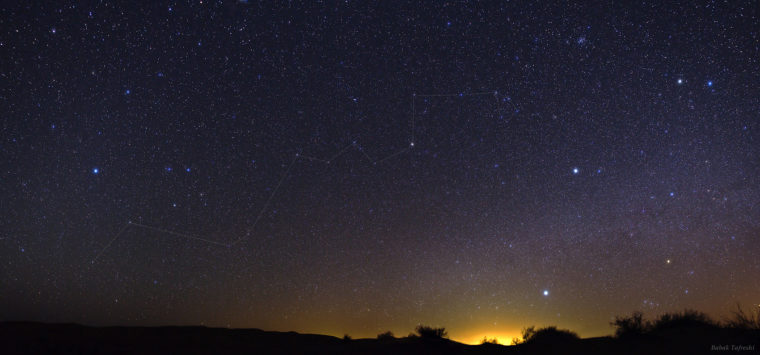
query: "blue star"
95, 171
709, 83
680, 81
127, 92
546, 292
168, 168
187, 169
576, 171
448, 24
672, 194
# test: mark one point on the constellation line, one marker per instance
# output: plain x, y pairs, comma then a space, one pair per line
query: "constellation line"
261, 213
187, 236
109, 244
287, 172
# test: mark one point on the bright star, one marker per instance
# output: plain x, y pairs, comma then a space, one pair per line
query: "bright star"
680, 81
546, 292
575, 171
95, 171
709, 83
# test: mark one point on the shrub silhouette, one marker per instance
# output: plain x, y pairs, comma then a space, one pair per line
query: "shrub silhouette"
346, 337
489, 341
682, 320
546, 335
635, 325
430, 332
386, 336
746, 321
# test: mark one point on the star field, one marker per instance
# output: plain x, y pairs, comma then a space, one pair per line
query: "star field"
348, 168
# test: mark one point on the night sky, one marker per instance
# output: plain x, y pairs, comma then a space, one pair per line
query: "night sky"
342, 167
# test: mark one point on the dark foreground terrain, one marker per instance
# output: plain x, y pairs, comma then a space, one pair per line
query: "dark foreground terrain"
40, 338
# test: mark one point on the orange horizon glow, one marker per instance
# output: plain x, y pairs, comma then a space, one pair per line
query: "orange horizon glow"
503, 338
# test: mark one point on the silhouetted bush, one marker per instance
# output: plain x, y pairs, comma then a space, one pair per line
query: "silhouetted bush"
546, 335
346, 337
489, 341
682, 320
742, 320
430, 332
634, 325
386, 336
